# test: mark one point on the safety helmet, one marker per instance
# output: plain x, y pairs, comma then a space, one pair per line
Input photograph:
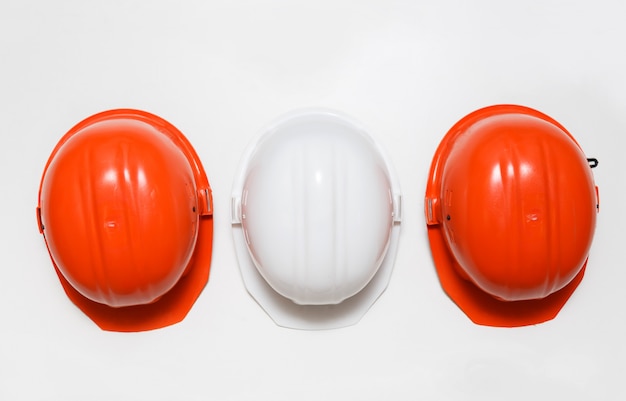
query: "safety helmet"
315, 213
511, 210
125, 209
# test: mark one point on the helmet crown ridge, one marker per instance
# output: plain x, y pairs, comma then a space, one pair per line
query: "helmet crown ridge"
114, 204
333, 226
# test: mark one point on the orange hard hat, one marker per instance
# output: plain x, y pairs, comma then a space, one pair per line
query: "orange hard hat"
125, 208
511, 210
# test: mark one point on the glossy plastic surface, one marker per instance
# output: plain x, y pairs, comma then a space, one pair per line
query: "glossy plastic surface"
315, 211
511, 209
125, 208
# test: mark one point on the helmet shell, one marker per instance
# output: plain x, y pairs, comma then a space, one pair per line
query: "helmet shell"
315, 205
121, 202
514, 202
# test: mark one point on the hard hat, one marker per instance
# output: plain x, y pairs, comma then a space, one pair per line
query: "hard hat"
316, 219
125, 209
511, 210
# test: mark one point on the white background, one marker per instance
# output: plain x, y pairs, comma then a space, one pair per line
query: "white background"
221, 70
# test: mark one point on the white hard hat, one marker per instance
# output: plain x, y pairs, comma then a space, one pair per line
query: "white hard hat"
315, 213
